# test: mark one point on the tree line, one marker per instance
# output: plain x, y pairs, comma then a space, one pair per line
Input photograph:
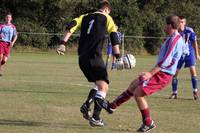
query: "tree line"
133, 17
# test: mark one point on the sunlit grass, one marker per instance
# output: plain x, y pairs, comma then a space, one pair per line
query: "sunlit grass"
42, 93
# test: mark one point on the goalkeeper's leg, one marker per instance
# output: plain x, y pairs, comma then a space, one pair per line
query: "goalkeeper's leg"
99, 103
85, 108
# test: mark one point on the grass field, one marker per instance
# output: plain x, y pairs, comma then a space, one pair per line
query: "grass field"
42, 93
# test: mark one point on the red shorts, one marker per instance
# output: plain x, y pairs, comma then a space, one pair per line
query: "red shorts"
5, 48
156, 83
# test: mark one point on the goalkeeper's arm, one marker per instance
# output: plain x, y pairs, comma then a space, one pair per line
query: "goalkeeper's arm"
115, 46
71, 27
119, 62
66, 36
61, 48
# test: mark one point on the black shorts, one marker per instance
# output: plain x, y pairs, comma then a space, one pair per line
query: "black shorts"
93, 69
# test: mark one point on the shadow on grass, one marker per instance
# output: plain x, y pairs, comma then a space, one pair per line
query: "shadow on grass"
179, 98
60, 125
123, 130
40, 124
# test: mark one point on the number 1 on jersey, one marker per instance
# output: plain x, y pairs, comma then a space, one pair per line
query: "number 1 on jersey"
90, 26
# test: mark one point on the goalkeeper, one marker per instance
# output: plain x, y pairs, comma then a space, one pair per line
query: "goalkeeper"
93, 28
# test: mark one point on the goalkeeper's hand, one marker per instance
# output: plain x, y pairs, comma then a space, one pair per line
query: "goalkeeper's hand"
119, 64
61, 48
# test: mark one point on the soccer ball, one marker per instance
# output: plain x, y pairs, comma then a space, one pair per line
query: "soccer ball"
129, 61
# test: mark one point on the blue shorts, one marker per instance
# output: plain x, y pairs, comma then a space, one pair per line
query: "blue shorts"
109, 50
189, 60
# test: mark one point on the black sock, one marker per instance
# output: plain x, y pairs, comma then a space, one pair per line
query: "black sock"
97, 110
102, 102
91, 97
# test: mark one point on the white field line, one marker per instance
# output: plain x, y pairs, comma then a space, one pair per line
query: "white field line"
159, 94
48, 82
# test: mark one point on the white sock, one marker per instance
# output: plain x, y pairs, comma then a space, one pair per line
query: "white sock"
100, 94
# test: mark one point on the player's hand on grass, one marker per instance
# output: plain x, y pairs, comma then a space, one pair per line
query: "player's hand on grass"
119, 64
61, 48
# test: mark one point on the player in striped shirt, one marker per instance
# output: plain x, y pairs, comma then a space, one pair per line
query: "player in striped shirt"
8, 36
157, 78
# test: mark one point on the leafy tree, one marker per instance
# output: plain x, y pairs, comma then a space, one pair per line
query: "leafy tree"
133, 17
35, 40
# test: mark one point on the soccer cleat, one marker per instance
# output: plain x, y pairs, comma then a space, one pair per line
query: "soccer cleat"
85, 111
173, 96
96, 123
111, 108
104, 104
195, 94
145, 128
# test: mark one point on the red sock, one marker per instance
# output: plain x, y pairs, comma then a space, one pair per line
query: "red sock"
125, 96
146, 118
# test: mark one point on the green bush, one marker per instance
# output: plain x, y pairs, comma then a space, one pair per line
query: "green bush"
27, 36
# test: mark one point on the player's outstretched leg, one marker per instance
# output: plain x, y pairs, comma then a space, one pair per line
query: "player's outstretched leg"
85, 108
122, 98
104, 104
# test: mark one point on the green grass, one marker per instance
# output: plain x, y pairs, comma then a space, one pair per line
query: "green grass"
42, 93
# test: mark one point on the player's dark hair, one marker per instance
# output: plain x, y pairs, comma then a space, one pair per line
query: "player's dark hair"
173, 20
8, 13
181, 17
103, 4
